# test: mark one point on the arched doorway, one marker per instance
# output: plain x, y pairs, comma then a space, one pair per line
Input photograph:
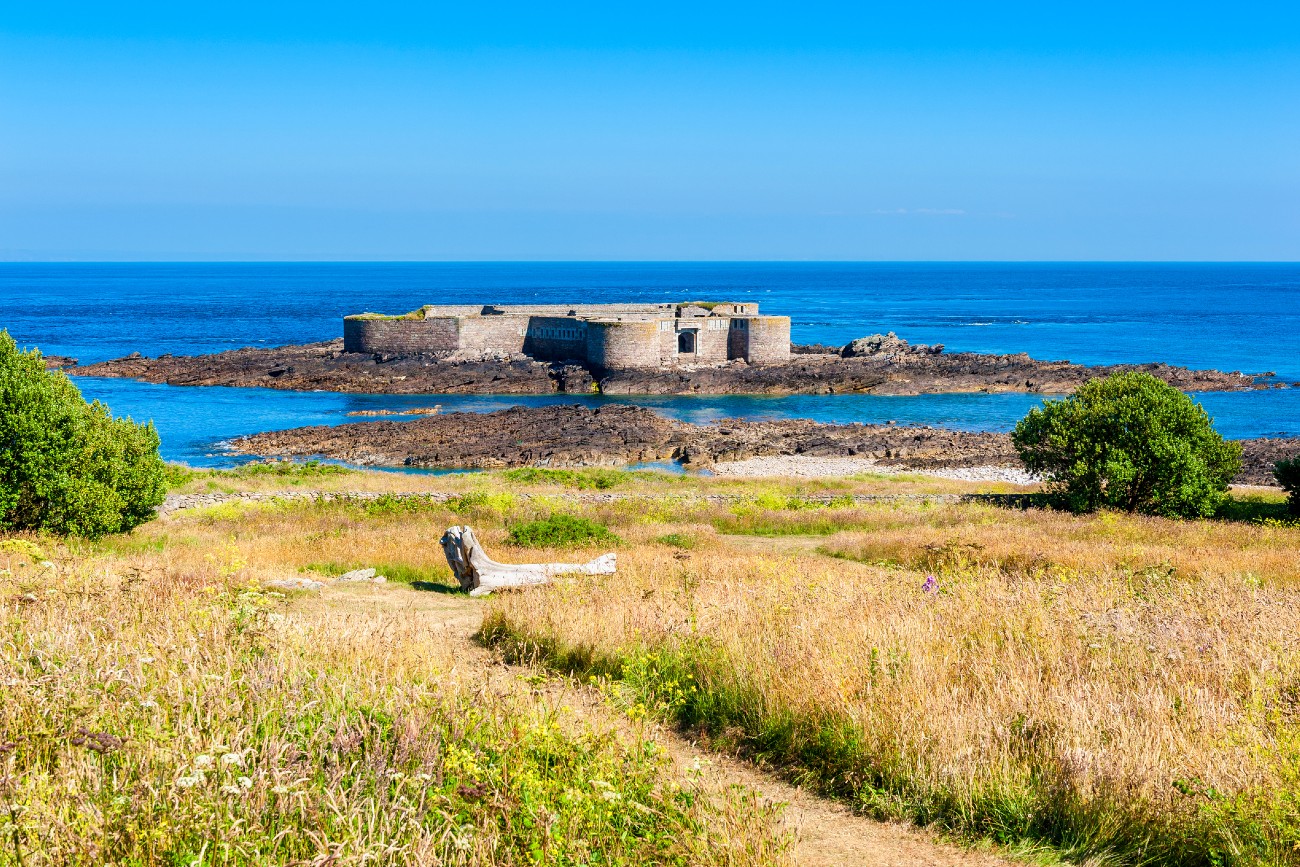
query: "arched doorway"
686, 343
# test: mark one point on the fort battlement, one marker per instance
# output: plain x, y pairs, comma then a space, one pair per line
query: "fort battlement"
603, 336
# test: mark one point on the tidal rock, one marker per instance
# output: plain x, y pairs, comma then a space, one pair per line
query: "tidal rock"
296, 584
360, 575
887, 344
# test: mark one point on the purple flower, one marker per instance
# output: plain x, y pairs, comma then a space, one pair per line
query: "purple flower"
931, 584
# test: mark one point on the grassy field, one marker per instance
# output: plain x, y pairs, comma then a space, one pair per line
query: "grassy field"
1103, 689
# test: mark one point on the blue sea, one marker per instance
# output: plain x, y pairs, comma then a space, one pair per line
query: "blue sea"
1228, 316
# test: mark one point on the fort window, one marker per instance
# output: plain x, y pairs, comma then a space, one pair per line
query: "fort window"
686, 342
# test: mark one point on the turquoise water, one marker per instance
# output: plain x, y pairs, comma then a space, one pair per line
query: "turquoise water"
194, 422
1226, 316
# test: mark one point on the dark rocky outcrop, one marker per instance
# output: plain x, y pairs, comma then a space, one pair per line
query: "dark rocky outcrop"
889, 366
520, 436
887, 345
575, 435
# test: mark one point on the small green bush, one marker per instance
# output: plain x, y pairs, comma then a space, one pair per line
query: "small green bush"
677, 540
1287, 473
66, 466
559, 530
1129, 442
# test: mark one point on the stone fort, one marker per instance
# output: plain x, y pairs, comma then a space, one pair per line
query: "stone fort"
605, 336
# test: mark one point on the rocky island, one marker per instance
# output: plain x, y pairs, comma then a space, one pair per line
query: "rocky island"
618, 435
882, 364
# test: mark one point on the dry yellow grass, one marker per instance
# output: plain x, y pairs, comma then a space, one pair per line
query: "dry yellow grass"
161, 708
1125, 688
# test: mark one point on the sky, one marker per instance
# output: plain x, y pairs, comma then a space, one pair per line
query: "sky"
666, 131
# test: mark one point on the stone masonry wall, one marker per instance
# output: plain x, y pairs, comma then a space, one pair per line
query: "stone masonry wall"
492, 334
556, 338
621, 345
400, 336
769, 339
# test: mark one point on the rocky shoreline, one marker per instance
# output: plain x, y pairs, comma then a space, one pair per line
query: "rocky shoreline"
880, 365
618, 435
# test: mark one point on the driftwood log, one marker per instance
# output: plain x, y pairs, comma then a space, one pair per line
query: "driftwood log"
479, 574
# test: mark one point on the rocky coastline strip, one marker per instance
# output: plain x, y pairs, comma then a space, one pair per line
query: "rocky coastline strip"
881, 364
619, 435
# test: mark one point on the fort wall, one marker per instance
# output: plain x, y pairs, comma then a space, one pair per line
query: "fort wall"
401, 336
769, 340
615, 345
609, 336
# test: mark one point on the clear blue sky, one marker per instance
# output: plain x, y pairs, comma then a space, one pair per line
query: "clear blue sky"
665, 130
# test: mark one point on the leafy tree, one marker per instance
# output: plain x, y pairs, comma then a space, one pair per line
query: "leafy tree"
1287, 473
67, 466
1129, 442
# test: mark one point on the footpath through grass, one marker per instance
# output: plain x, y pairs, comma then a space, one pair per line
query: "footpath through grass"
1123, 690
162, 708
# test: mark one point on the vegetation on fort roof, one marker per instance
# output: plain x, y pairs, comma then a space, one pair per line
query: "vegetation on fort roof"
414, 314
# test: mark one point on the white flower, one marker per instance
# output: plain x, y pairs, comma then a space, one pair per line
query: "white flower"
229, 789
245, 783
233, 759
187, 782
203, 760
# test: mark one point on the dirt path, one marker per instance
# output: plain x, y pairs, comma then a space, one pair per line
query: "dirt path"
827, 834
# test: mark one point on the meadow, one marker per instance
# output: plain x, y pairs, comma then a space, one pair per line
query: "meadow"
1103, 689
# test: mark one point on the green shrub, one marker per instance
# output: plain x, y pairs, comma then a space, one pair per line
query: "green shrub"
1287, 473
177, 475
1129, 442
677, 540
67, 466
560, 529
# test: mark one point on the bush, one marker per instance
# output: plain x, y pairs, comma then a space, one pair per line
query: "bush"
1129, 442
1287, 473
559, 530
67, 466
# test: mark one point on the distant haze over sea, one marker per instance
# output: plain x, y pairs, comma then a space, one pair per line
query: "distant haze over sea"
1227, 316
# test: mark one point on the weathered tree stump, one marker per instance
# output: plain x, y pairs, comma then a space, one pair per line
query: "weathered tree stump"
479, 574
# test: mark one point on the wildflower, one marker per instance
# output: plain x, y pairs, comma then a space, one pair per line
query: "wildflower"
203, 760
245, 783
190, 781
233, 759
931, 584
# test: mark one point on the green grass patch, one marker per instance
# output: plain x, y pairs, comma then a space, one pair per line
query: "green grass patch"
311, 469
599, 479
558, 530
402, 573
